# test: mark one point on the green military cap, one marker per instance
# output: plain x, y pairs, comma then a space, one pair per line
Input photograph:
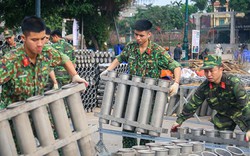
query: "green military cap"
211, 61
8, 33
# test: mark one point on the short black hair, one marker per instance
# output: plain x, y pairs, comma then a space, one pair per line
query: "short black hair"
47, 31
143, 25
32, 24
56, 32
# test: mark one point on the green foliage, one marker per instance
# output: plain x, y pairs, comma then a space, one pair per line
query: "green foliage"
240, 5
53, 22
97, 14
200, 4
191, 9
94, 31
209, 9
166, 18
12, 12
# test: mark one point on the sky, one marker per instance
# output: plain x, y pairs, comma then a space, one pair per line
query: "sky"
161, 2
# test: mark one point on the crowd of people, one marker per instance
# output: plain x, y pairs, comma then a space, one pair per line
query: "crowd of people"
25, 71
242, 54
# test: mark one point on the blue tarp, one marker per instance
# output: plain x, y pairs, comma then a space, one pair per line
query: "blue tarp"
118, 49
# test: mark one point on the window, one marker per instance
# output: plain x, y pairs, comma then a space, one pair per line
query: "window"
221, 21
221, 9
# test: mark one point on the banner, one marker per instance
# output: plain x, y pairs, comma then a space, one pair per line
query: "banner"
195, 41
75, 33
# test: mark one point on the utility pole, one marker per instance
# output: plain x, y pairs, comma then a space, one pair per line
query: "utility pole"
185, 39
38, 8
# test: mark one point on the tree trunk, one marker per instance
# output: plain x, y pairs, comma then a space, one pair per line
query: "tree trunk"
95, 43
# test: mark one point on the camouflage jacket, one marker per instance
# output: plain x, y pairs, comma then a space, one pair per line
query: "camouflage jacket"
229, 99
21, 79
65, 48
7, 48
149, 63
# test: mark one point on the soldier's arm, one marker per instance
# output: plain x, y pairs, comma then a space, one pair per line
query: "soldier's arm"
53, 77
243, 102
6, 70
190, 108
239, 92
120, 58
114, 64
166, 62
124, 54
69, 66
59, 58
72, 53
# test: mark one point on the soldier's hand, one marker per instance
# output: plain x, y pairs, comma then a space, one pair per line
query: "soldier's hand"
78, 79
55, 86
173, 90
248, 136
104, 73
174, 127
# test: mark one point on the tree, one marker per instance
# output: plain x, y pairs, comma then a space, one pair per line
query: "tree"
165, 18
240, 5
200, 4
97, 15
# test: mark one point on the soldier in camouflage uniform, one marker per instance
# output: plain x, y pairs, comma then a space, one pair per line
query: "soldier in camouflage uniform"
24, 73
52, 83
47, 36
62, 46
146, 59
10, 43
224, 93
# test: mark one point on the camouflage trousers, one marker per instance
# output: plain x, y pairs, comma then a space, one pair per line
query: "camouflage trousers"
222, 122
128, 142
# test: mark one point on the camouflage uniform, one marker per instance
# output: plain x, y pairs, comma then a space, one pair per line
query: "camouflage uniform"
7, 48
21, 79
148, 64
229, 99
62, 75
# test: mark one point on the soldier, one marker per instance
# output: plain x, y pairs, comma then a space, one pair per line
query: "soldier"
145, 59
10, 43
52, 83
224, 93
59, 74
47, 35
25, 72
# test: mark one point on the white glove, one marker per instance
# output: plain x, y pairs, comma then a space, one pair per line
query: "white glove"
78, 79
173, 90
104, 73
55, 86
248, 136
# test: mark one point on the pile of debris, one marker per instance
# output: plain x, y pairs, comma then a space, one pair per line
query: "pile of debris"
229, 66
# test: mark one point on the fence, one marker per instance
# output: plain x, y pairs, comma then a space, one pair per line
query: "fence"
41, 126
